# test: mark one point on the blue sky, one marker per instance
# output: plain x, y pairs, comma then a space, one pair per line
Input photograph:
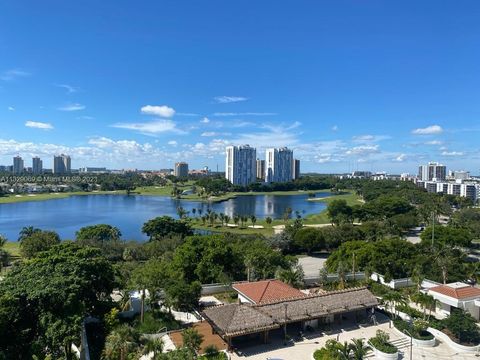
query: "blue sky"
374, 85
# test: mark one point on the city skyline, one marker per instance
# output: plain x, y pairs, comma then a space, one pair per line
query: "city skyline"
342, 98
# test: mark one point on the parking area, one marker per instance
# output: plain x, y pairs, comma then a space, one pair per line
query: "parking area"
311, 265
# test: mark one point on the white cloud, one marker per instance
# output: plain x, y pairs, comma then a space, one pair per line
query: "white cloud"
370, 138
39, 125
70, 89
209, 133
429, 130
244, 114
152, 127
229, 99
434, 142
72, 107
13, 74
205, 120
363, 150
162, 111
364, 138
400, 158
172, 143
452, 153
11, 108
85, 117
334, 128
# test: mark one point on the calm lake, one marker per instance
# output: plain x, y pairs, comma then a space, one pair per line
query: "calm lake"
128, 213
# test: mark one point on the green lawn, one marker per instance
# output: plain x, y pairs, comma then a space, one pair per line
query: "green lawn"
13, 248
350, 197
52, 196
321, 218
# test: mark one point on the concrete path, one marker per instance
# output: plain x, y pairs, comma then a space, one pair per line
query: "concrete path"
303, 350
312, 265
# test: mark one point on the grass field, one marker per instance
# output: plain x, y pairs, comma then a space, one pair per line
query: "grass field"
13, 248
51, 196
350, 197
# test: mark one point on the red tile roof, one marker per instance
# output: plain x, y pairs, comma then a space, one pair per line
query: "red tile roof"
457, 293
267, 291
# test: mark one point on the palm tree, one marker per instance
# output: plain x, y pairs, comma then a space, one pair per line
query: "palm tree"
211, 218
194, 211
120, 343
286, 214
418, 276
200, 211
359, 349
343, 350
268, 220
394, 298
192, 339
431, 304
342, 273
227, 219
153, 345
3, 241
181, 212
244, 220
253, 219
236, 219
26, 232
425, 301
222, 218
248, 262
125, 302
204, 219
293, 276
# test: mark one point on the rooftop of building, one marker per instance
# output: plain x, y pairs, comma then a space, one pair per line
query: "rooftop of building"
457, 290
241, 319
266, 291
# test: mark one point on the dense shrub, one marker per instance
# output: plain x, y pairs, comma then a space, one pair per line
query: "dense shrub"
382, 343
419, 334
463, 327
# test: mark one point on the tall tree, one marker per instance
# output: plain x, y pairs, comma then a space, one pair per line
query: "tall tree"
46, 299
100, 233
37, 242
163, 226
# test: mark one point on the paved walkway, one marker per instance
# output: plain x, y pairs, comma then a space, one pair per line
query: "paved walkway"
303, 350
312, 265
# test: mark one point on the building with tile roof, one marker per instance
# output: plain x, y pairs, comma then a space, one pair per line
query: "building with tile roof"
456, 295
265, 291
246, 319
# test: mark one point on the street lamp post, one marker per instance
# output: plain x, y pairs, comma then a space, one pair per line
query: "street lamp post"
411, 343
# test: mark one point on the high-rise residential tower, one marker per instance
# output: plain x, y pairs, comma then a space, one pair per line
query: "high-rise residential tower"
432, 171
18, 165
62, 164
181, 169
278, 165
296, 169
261, 169
240, 165
37, 165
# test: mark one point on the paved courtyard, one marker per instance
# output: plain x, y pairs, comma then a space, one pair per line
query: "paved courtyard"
303, 350
312, 265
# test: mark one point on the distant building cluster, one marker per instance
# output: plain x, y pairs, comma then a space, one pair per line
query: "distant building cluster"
62, 164
181, 169
433, 177
243, 168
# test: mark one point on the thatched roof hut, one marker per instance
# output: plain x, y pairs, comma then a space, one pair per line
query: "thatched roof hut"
241, 319
238, 319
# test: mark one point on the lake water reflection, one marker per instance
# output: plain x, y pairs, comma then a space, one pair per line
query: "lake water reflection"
130, 212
